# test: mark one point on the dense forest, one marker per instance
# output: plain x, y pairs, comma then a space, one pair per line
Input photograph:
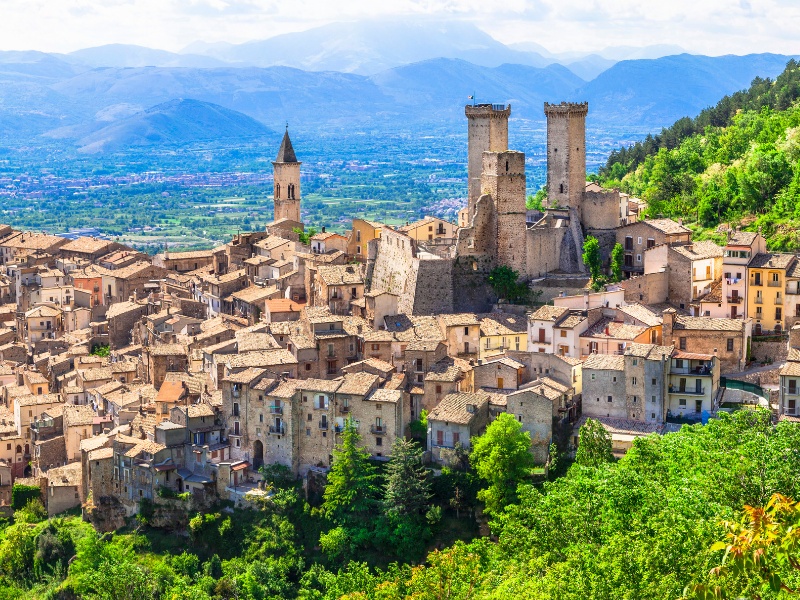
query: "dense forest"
641, 527
737, 162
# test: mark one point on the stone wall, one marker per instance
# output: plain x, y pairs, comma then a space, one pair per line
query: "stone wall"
607, 239
544, 249
596, 393
433, 290
652, 288
600, 210
536, 414
777, 351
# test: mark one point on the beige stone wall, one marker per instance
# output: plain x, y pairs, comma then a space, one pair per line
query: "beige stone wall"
596, 393
487, 130
504, 179
566, 152
600, 210
652, 288
284, 175
535, 414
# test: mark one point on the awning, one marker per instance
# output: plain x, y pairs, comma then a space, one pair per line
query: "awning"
165, 467
692, 356
240, 466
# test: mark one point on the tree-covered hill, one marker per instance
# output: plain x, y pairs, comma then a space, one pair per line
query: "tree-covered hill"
737, 162
638, 528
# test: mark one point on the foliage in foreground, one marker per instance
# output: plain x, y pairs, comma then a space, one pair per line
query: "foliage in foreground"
641, 527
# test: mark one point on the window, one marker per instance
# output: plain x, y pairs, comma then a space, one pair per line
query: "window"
563, 333
308, 432
438, 389
653, 381
635, 399
235, 409
614, 379
639, 241
308, 366
652, 399
638, 258
609, 398
729, 342
456, 438
466, 330
633, 380
635, 362
309, 417
379, 441
683, 343
778, 313
592, 376
682, 402
331, 367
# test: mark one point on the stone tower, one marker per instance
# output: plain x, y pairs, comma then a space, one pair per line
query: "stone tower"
487, 131
286, 173
504, 179
566, 153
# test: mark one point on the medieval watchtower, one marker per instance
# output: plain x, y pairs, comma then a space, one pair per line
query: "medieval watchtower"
487, 131
504, 180
286, 173
566, 153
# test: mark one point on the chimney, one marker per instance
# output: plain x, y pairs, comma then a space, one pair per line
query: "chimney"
323, 229
607, 330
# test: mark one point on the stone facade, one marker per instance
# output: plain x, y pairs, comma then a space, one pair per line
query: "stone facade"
286, 175
566, 153
487, 131
535, 415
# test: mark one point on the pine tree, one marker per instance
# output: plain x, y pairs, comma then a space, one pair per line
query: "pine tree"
408, 490
351, 491
617, 260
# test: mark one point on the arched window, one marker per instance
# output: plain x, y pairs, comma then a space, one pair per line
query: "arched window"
19, 449
562, 188
757, 328
277, 190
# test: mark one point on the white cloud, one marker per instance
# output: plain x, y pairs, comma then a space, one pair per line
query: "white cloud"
709, 26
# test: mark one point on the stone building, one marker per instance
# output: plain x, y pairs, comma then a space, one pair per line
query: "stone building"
766, 285
286, 175
727, 339
183, 262
362, 232
456, 419
643, 235
692, 268
604, 392
337, 287
163, 359
534, 412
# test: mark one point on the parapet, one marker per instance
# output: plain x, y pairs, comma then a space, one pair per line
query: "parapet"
567, 108
487, 110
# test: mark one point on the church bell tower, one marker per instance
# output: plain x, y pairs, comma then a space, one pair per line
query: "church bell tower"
286, 175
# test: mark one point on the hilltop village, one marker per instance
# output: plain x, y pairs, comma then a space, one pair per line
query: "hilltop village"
125, 377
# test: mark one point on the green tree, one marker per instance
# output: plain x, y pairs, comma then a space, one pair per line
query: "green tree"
536, 201
408, 490
352, 482
591, 256
504, 283
419, 427
305, 236
617, 260
503, 459
594, 445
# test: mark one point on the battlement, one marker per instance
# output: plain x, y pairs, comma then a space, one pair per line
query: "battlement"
567, 108
487, 110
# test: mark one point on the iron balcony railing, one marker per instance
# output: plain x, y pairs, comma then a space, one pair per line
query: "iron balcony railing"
323, 425
378, 429
689, 392
277, 429
276, 410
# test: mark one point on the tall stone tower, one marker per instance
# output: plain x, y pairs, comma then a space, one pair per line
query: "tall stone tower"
566, 153
487, 131
286, 173
504, 179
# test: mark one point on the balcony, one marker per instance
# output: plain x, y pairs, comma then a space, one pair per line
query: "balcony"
344, 409
276, 410
688, 392
323, 425
234, 433
774, 284
756, 284
734, 299
778, 301
277, 429
378, 429
758, 300
541, 341
699, 371
732, 281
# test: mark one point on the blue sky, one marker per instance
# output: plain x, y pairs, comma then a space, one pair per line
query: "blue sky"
705, 26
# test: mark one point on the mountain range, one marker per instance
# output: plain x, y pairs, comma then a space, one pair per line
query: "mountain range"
79, 100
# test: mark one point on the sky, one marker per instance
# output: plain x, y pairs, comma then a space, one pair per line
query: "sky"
711, 27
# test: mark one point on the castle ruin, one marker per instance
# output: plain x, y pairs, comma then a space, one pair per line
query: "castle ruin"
450, 276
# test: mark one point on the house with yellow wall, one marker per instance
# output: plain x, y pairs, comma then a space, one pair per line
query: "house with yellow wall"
766, 281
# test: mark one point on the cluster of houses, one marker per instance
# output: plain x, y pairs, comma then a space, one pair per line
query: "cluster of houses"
126, 378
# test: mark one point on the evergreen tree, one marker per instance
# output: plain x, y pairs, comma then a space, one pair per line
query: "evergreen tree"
502, 457
408, 490
351, 491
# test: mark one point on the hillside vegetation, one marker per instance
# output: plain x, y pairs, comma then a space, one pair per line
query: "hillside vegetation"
736, 162
640, 528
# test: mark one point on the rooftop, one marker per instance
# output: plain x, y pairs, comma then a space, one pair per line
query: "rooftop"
453, 408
